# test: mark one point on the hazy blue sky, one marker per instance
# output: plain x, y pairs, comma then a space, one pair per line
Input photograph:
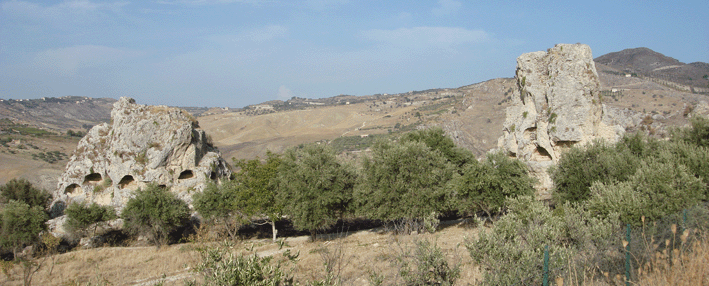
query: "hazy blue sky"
239, 52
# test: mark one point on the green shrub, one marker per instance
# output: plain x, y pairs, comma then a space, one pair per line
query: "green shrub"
20, 225
314, 188
81, 216
697, 135
427, 265
154, 212
485, 186
695, 158
639, 145
23, 191
580, 167
656, 190
221, 267
403, 180
513, 251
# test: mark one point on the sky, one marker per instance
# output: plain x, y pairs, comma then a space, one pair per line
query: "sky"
232, 53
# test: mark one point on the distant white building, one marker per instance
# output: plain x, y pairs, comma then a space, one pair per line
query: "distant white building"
263, 107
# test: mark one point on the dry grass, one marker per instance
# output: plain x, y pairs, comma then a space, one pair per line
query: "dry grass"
112, 266
683, 266
354, 256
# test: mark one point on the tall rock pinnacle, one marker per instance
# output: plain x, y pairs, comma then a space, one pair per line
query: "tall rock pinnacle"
557, 105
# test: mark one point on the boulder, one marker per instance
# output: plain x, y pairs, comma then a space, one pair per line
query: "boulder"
556, 105
142, 145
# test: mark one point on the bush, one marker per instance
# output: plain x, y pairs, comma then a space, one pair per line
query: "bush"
697, 135
155, 213
403, 180
220, 267
20, 225
580, 167
695, 158
314, 189
513, 251
427, 265
22, 190
80, 216
656, 190
485, 186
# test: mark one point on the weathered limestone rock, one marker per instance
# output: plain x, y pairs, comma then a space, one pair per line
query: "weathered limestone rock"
556, 106
142, 145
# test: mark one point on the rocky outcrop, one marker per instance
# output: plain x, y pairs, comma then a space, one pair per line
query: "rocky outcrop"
142, 145
556, 105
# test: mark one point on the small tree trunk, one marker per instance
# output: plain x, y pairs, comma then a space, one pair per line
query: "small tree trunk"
274, 230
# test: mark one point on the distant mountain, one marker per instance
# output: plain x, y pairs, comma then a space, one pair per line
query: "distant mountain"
648, 63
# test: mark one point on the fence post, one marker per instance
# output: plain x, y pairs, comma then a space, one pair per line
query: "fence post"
545, 282
627, 256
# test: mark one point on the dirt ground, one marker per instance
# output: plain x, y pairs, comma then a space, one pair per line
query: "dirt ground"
356, 254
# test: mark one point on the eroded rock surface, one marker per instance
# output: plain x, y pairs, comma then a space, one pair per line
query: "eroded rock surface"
556, 105
142, 145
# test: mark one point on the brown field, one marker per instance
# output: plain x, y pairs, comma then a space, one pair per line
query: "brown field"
362, 252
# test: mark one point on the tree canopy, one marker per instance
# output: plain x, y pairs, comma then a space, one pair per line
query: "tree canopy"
403, 180
314, 188
155, 212
23, 191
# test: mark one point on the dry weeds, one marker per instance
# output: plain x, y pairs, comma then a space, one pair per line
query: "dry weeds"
354, 256
683, 266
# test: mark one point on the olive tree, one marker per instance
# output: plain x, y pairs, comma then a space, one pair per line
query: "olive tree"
313, 187
436, 139
580, 167
155, 212
217, 204
20, 225
81, 216
22, 190
403, 181
258, 194
486, 185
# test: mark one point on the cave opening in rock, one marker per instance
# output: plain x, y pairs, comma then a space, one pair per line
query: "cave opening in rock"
92, 178
72, 189
543, 153
213, 176
125, 181
186, 174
